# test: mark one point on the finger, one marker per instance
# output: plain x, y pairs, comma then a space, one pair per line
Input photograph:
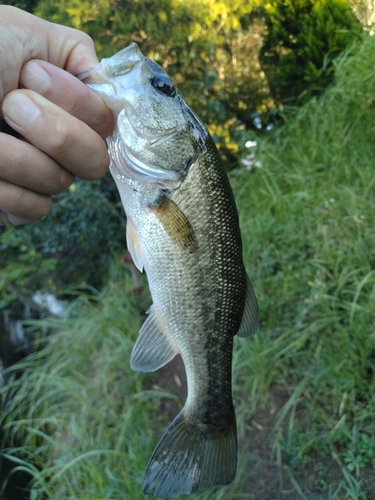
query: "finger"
69, 48
23, 164
27, 37
62, 46
67, 140
19, 205
70, 94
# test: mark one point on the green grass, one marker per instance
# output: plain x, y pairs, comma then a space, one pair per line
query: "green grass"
78, 407
85, 425
308, 219
79, 420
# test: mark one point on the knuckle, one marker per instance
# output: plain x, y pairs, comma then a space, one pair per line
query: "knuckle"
39, 207
44, 207
101, 167
96, 165
5, 218
85, 38
25, 206
102, 121
105, 127
60, 141
21, 163
62, 181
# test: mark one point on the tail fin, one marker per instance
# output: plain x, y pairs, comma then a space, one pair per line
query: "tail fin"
191, 457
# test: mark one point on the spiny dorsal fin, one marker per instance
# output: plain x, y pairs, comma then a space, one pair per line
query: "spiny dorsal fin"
175, 224
153, 348
250, 319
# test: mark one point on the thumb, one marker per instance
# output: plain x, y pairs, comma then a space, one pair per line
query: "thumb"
24, 36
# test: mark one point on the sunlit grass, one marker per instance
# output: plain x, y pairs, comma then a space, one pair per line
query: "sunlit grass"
308, 219
84, 425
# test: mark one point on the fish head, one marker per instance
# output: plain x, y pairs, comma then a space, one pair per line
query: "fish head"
157, 136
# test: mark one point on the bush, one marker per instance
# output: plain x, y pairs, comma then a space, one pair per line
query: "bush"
72, 246
307, 218
303, 37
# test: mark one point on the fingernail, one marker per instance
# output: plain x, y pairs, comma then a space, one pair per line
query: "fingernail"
34, 77
21, 111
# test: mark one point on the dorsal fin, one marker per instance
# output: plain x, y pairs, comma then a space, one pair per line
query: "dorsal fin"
250, 319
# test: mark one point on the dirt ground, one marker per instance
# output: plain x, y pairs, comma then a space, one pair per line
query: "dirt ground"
266, 480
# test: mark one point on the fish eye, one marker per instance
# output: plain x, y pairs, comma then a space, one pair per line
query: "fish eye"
164, 85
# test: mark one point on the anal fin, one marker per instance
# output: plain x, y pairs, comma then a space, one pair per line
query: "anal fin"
153, 348
250, 319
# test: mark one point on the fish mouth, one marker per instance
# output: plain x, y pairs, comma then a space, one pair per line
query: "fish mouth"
104, 77
117, 65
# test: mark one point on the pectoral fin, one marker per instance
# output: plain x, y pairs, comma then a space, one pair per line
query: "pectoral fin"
153, 348
175, 223
133, 244
250, 319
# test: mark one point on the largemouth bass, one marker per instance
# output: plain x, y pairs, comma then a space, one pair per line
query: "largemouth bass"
183, 230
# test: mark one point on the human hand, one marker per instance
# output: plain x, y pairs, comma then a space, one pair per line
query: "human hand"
51, 125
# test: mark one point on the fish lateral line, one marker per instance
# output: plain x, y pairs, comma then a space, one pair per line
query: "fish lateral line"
183, 229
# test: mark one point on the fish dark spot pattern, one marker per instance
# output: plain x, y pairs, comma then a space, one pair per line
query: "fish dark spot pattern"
183, 229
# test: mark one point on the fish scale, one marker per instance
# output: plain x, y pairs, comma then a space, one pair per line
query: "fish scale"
183, 230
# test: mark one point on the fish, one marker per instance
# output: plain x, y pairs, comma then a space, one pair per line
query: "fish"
182, 228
